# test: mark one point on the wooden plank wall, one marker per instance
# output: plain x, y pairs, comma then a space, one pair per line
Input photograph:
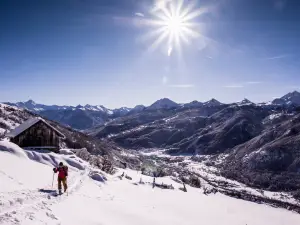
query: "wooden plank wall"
38, 135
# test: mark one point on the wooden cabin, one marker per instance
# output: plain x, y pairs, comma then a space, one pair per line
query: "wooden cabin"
36, 133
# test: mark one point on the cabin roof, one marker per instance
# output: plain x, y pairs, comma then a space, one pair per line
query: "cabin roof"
29, 123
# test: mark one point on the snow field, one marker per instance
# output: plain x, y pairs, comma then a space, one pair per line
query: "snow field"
112, 201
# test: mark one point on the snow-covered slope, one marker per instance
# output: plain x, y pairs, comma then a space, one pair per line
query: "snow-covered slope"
99, 108
121, 111
96, 198
11, 117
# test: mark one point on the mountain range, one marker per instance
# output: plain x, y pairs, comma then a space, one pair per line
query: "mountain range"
257, 144
88, 116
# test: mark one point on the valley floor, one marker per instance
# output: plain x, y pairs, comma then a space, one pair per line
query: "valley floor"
116, 201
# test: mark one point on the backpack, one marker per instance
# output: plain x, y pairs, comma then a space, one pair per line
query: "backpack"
66, 170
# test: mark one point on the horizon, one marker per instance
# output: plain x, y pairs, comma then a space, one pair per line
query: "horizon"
127, 53
86, 104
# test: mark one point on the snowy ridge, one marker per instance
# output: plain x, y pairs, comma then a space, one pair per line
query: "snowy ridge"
212, 102
288, 99
85, 117
36, 107
245, 101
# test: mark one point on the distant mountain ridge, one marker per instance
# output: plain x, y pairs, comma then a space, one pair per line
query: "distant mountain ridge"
87, 116
257, 144
37, 107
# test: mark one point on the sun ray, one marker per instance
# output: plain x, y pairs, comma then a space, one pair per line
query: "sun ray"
187, 10
194, 14
190, 32
158, 41
183, 37
166, 12
179, 7
152, 34
173, 10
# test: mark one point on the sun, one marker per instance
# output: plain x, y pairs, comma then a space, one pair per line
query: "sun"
173, 24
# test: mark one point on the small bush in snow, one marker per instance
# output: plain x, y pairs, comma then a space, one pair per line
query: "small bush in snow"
208, 191
296, 195
164, 186
195, 182
141, 181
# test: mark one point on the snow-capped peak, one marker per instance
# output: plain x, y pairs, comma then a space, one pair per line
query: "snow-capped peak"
121, 111
245, 101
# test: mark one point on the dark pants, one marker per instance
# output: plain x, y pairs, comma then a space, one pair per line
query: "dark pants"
64, 182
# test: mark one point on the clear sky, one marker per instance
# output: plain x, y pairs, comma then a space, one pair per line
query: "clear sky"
103, 51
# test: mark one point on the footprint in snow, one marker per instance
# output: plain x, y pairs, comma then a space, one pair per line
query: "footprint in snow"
51, 216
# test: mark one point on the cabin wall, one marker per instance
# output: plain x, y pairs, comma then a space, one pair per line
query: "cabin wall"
38, 135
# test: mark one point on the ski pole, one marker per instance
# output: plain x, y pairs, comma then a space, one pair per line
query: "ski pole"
52, 180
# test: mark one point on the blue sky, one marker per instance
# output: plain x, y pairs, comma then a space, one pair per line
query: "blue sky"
73, 52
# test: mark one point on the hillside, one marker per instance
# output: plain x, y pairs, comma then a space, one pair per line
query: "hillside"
260, 141
98, 198
11, 117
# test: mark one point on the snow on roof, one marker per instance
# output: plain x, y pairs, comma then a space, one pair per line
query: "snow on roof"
27, 124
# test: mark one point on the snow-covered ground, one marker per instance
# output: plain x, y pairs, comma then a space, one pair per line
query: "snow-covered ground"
210, 173
111, 200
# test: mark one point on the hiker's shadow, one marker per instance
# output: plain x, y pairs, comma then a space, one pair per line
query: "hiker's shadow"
48, 191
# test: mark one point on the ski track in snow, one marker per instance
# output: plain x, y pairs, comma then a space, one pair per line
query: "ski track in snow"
25, 203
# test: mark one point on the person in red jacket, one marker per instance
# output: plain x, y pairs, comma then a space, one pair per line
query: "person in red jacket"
62, 176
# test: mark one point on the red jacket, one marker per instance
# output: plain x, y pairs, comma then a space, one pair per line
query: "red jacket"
62, 172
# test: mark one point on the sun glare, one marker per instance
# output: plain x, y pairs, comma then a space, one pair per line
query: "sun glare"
173, 24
